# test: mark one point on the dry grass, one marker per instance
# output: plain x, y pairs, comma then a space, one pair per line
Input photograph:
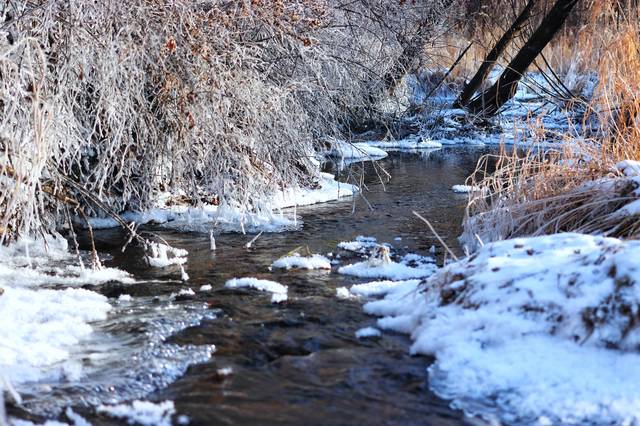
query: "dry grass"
576, 188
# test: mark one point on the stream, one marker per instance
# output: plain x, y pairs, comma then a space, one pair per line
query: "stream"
292, 363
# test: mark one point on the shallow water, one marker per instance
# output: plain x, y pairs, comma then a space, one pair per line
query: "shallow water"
294, 363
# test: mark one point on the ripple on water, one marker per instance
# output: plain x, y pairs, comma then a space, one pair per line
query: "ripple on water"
126, 357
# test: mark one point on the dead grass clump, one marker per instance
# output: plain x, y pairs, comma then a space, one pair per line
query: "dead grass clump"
576, 188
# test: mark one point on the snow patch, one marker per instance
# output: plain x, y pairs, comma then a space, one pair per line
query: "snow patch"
142, 412
277, 290
163, 255
391, 270
465, 189
368, 332
315, 261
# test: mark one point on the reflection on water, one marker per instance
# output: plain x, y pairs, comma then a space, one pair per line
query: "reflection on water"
296, 363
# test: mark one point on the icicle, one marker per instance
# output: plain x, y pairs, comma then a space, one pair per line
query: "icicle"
253, 240
212, 241
183, 274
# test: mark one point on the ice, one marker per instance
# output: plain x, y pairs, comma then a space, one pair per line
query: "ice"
411, 142
329, 189
391, 270
277, 290
380, 288
368, 332
355, 151
233, 218
315, 261
225, 371
39, 326
464, 189
142, 412
163, 255
343, 293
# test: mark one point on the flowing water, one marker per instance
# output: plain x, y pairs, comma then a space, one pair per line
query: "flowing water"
294, 363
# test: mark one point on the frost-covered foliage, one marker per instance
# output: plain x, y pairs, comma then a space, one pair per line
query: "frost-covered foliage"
221, 101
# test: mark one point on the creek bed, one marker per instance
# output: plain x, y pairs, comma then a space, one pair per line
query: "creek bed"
292, 363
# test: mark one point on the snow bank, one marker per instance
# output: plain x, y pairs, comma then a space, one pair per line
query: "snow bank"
40, 326
232, 218
315, 261
537, 329
277, 290
142, 412
329, 189
412, 142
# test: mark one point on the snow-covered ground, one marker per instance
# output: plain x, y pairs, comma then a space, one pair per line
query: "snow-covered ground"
534, 330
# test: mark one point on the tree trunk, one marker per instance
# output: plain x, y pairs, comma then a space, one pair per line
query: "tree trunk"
481, 75
489, 102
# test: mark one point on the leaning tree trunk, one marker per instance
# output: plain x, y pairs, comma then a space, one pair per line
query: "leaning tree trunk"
481, 75
489, 102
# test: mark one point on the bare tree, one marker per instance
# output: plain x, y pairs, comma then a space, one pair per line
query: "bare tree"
489, 102
481, 74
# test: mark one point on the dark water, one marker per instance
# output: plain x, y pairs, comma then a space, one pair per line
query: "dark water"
299, 362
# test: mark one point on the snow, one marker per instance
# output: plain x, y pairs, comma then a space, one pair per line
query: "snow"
360, 245
225, 371
368, 332
277, 290
142, 412
329, 189
233, 218
411, 142
315, 261
629, 168
41, 325
163, 255
343, 293
76, 418
391, 270
206, 287
355, 150
380, 288
528, 330
464, 189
